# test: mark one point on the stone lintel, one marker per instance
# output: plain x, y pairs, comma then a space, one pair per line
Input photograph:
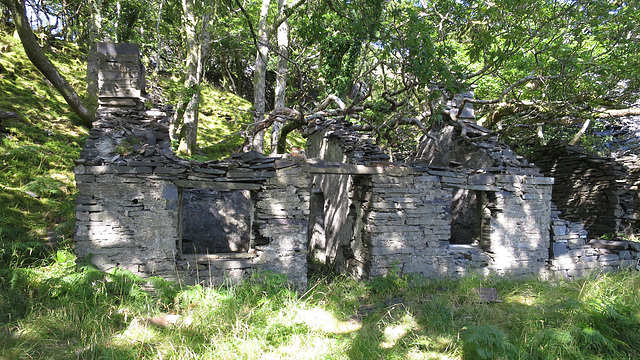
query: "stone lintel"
204, 258
339, 168
192, 184
539, 180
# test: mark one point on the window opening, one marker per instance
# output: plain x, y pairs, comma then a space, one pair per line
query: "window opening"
215, 221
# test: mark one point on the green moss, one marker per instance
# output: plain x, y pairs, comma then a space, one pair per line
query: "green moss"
37, 150
223, 120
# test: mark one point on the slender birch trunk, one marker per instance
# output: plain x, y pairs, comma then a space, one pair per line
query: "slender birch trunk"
281, 75
259, 75
197, 44
189, 131
94, 36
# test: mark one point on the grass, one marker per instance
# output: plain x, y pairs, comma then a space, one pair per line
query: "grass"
60, 310
51, 307
37, 149
223, 120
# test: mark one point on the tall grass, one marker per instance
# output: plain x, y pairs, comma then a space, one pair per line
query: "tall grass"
60, 310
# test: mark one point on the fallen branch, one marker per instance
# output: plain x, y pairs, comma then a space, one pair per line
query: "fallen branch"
618, 113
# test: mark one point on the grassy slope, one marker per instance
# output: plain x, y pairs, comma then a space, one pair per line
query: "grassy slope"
37, 150
54, 308
224, 117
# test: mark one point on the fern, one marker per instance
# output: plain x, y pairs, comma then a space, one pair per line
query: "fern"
487, 342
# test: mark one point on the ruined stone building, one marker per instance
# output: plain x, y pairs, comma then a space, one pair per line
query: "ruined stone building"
460, 207
601, 193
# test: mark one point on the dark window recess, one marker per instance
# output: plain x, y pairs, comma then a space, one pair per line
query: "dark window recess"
466, 216
215, 221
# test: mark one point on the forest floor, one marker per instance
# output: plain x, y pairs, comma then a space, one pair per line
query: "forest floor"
55, 307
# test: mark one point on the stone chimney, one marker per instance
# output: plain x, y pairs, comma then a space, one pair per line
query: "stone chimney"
120, 75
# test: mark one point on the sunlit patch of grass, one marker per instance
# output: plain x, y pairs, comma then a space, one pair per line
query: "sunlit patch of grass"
224, 119
397, 330
138, 332
321, 320
78, 311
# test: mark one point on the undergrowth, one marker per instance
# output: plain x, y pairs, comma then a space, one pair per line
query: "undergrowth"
64, 310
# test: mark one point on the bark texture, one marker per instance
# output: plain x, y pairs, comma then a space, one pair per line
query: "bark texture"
259, 76
281, 77
94, 36
195, 39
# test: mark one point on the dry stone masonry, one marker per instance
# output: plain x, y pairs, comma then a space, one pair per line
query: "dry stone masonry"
602, 193
381, 215
121, 77
459, 206
142, 208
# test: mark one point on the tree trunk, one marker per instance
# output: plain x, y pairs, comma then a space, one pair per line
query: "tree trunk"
94, 36
116, 25
196, 43
159, 40
581, 132
281, 76
259, 75
620, 112
42, 63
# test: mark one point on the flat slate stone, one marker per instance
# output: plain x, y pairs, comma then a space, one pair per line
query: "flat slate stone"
117, 49
608, 244
488, 295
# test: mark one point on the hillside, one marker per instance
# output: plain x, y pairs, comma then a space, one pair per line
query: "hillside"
39, 141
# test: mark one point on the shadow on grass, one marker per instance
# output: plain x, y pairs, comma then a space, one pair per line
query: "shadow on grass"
62, 311
536, 320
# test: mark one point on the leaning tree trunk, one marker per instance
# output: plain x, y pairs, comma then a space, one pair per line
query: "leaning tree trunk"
42, 63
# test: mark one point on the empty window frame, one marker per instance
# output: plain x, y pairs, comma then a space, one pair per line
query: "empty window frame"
215, 221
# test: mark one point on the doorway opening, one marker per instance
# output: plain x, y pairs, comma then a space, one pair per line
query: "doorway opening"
471, 217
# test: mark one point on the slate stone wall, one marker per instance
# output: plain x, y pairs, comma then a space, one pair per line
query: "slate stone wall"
347, 206
124, 221
598, 192
131, 190
121, 78
384, 215
574, 255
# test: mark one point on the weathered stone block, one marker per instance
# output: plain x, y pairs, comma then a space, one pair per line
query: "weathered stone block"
559, 230
170, 193
481, 179
608, 258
